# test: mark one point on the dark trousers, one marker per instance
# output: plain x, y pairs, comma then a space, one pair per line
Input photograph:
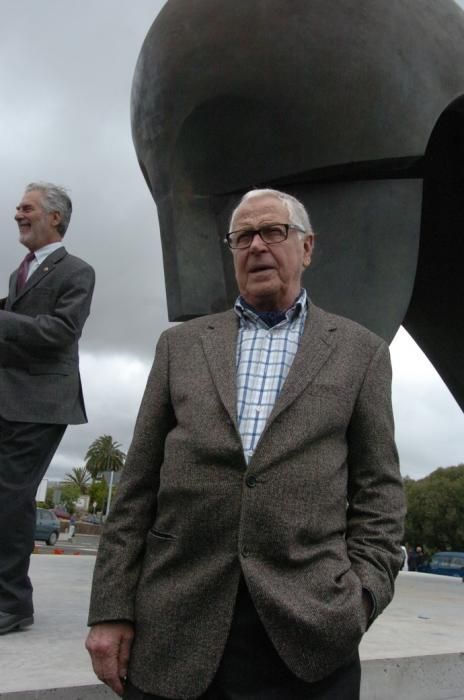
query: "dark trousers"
251, 669
26, 450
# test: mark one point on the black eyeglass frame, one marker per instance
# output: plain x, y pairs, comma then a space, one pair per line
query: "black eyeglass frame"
259, 232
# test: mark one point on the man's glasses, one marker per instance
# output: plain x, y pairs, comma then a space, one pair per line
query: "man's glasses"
271, 234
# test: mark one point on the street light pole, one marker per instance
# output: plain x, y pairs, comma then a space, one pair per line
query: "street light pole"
108, 502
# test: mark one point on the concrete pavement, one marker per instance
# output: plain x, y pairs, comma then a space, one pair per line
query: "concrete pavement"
414, 651
51, 653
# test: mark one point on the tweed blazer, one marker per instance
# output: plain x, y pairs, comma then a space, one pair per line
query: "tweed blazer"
39, 332
313, 518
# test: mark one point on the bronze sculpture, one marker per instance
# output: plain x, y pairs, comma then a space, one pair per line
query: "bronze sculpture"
357, 109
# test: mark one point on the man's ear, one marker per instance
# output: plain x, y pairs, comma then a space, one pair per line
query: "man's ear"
55, 219
308, 246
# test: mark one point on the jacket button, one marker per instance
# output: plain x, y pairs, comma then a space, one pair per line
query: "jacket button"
251, 481
245, 551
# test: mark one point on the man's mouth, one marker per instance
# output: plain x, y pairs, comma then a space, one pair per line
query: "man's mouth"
260, 268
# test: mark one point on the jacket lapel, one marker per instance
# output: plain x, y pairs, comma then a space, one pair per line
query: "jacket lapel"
12, 290
220, 346
44, 269
316, 346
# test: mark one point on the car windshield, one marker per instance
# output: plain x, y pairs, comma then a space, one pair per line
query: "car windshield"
457, 562
446, 562
440, 561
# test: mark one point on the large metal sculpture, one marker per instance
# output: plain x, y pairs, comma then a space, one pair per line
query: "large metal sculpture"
355, 107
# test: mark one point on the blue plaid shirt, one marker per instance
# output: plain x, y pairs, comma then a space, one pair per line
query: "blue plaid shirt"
264, 357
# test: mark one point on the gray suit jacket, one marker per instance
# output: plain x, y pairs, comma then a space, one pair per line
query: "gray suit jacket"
39, 333
320, 520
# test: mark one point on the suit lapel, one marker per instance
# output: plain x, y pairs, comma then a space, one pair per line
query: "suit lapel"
316, 346
12, 290
220, 346
42, 271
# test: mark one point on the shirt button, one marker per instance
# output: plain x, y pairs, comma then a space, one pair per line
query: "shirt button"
251, 481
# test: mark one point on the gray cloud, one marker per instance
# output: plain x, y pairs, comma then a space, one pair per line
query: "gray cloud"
65, 77
429, 423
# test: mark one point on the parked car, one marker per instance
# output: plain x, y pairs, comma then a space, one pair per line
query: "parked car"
47, 526
61, 513
445, 563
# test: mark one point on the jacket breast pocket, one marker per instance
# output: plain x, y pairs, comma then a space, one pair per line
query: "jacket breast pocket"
335, 391
329, 409
36, 301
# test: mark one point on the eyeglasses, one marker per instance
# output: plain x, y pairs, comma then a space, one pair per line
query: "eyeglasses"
270, 234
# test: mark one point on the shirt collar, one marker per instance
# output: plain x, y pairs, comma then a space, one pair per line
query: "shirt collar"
46, 250
247, 313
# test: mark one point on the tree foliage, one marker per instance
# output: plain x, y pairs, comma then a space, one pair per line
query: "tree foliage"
49, 500
98, 493
435, 515
104, 455
79, 476
69, 494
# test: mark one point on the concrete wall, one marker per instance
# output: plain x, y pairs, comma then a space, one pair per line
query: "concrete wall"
436, 677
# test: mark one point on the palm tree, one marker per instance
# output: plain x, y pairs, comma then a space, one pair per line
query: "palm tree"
104, 455
79, 476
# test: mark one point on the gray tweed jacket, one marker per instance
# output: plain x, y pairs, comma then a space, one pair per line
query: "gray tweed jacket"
321, 519
39, 332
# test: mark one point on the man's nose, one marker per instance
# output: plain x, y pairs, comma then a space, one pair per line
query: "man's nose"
257, 244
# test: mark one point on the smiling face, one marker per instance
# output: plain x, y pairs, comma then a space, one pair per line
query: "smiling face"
37, 228
269, 276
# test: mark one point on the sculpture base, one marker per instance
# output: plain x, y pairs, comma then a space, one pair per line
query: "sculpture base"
413, 651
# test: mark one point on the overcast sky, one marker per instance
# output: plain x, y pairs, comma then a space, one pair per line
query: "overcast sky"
65, 76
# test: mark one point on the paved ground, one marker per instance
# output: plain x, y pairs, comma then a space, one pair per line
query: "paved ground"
426, 618
50, 654
79, 544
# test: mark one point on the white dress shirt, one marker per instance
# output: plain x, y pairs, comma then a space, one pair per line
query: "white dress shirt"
40, 256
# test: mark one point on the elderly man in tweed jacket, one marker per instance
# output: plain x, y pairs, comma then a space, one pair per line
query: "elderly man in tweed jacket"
256, 530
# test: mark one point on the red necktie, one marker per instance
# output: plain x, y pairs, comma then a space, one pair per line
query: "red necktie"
23, 270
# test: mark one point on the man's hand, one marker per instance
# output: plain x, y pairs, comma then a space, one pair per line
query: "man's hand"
109, 645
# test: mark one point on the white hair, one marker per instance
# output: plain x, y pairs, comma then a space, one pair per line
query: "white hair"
297, 214
54, 198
